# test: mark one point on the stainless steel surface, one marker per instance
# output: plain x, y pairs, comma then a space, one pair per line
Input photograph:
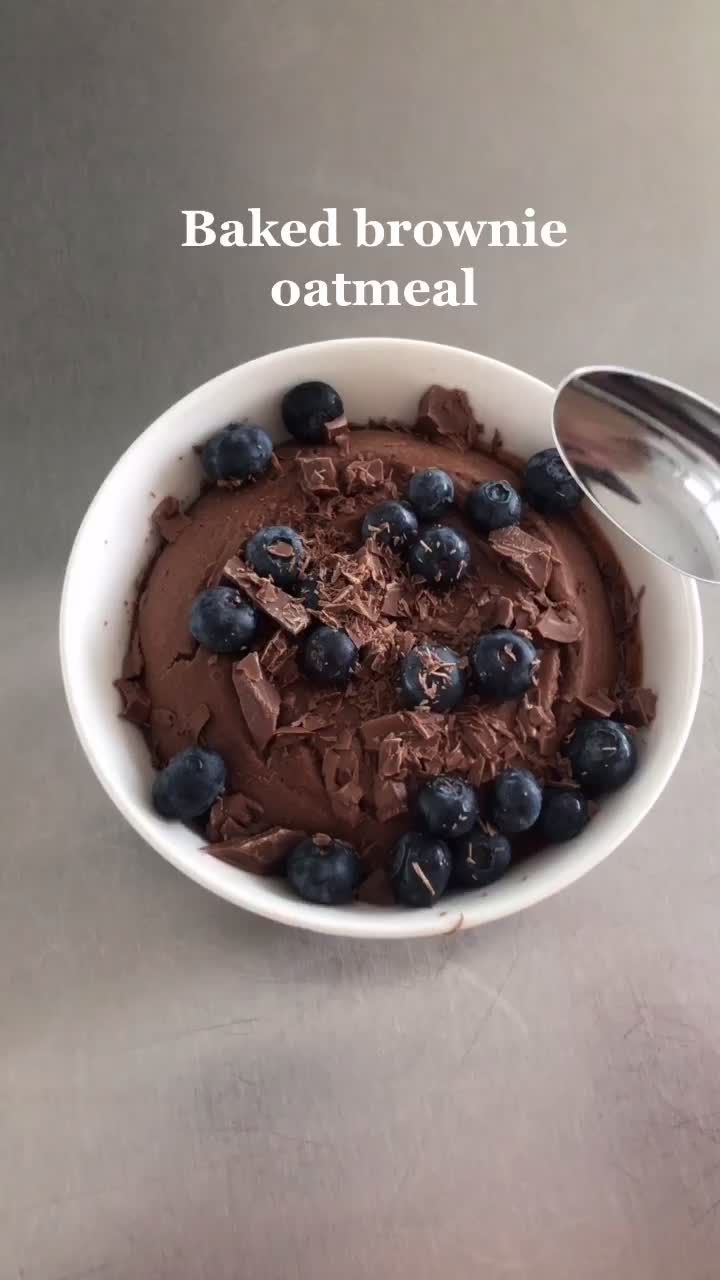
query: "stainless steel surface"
187, 1093
648, 454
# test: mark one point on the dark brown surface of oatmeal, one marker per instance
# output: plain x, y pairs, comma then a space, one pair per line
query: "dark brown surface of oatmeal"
303, 759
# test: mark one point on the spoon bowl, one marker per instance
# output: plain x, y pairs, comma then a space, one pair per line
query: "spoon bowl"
647, 453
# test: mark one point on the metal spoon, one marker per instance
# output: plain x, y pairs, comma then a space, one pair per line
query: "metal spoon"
647, 453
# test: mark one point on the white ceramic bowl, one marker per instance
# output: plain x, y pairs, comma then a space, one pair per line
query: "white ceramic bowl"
376, 377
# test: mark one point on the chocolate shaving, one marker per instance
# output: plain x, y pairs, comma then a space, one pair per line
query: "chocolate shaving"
423, 878
259, 699
169, 520
262, 853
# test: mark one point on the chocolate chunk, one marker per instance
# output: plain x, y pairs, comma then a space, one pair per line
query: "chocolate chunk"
477, 733
547, 676
560, 625
136, 701
363, 474
548, 679
503, 612
275, 652
282, 550
455, 757
373, 731
361, 631
340, 772
527, 611
525, 556
262, 853
318, 476
259, 699
445, 413
289, 613
389, 798
394, 601
337, 430
426, 723
599, 703
305, 726
232, 814
169, 520
237, 571
391, 757
571, 674
638, 707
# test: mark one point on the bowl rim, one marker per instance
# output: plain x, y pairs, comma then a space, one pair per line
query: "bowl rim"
354, 921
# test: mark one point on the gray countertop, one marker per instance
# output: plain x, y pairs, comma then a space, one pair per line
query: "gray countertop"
187, 1092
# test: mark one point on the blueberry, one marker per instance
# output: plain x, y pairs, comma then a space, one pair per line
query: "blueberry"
431, 676
392, 524
602, 755
223, 620
441, 556
237, 453
564, 814
189, 784
431, 493
209, 457
420, 869
493, 505
276, 552
306, 589
479, 858
517, 801
327, 874
548, 484
307, 408
502, 664
448, 806
329, 656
